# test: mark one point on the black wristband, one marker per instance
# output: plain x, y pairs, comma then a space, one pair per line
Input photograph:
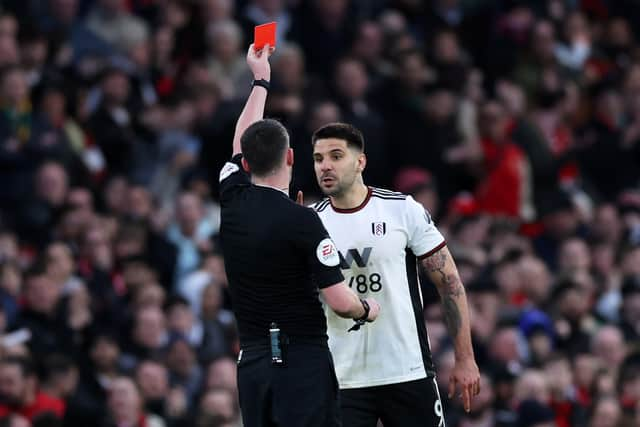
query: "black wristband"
367, 309
363, 319
262, 83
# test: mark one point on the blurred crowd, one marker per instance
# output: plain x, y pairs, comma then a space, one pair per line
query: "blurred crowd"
516, 123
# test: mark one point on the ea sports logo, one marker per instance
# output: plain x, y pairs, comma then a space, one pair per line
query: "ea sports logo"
327, 253
327, 250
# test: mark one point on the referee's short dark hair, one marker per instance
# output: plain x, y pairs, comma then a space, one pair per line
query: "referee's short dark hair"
343, 131
263, 146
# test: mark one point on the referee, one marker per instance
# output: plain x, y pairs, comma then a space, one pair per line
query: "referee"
277, 255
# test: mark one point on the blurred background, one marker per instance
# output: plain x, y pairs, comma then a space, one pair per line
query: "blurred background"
516, 123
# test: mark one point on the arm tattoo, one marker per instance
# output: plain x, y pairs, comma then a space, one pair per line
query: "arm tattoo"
450, 288
451, 315
450, 283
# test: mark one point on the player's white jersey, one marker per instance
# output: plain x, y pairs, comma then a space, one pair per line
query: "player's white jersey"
379, 244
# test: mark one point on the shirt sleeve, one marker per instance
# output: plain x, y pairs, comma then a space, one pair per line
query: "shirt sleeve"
321, 252
424, 237
232, 175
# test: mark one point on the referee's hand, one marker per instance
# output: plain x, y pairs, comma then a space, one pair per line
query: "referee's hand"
258, 62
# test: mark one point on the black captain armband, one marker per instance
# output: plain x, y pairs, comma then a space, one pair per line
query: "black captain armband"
361, 320
262, 83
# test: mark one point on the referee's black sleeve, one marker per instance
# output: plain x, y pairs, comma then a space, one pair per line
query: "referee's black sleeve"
232, 176
321, 253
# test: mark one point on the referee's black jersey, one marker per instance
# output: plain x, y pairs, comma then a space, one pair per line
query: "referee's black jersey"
277, 254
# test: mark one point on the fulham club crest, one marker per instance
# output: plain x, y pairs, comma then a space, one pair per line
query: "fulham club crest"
379, 228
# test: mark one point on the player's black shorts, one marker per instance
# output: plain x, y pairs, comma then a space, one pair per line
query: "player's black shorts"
410, 404
303, 394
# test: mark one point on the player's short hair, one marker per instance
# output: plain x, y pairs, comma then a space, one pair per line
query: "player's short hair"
263, 145
344, 131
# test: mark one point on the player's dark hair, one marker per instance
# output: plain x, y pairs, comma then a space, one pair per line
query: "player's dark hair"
263, 145
343, 131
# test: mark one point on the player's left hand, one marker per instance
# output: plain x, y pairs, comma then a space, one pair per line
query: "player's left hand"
300, 198
466, 375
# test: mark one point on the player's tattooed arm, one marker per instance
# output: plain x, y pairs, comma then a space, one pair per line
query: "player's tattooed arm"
446, 278
444, 274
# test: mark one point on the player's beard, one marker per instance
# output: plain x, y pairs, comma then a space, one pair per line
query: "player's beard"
342, 185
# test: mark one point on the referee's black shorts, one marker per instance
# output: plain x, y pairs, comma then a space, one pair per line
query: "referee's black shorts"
303, 394
409, 404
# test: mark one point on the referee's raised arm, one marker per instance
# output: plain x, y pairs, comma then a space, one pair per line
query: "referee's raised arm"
253, 110
278, 258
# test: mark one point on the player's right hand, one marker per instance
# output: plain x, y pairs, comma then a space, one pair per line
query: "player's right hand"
374, 309
258, 62
466, 376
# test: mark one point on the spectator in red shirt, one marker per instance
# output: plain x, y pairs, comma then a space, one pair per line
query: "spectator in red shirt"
20, 393
505, 188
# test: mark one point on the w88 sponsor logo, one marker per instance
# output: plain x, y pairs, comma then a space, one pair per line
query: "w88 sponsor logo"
364, 283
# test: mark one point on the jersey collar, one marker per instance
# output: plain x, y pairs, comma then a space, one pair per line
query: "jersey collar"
357, 208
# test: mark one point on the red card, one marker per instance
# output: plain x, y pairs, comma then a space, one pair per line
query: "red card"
264, 34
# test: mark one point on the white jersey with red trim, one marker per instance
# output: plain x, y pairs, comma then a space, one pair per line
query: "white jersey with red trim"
379, 243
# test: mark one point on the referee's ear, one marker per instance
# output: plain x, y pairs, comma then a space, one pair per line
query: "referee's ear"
290, 156
245, 165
